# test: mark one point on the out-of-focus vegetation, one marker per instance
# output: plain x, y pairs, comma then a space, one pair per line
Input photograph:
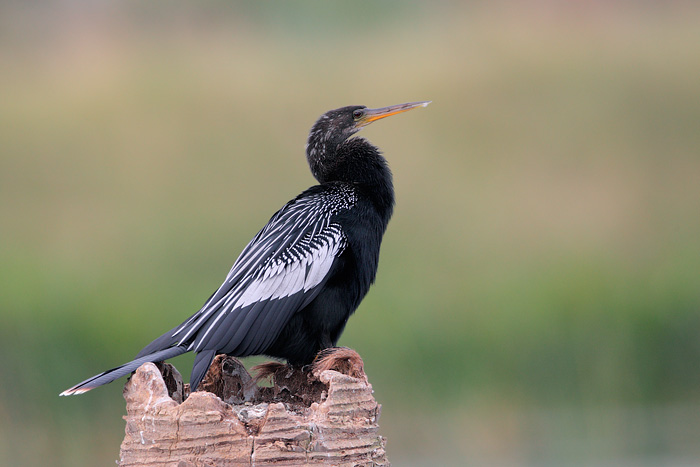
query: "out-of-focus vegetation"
539, 290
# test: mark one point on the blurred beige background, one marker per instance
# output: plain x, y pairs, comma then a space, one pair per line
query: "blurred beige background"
538, 298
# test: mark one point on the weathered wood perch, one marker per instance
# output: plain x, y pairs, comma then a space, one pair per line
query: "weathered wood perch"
327, 416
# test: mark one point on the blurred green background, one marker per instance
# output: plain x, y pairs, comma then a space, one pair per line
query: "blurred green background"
538, 298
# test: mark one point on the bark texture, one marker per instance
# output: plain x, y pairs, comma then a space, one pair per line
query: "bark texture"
320, 417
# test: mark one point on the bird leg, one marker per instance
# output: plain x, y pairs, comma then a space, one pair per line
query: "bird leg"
326, 342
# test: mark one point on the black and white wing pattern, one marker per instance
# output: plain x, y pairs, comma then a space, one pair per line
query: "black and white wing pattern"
279, 272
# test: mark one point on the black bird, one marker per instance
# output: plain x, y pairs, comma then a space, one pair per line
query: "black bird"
294, 286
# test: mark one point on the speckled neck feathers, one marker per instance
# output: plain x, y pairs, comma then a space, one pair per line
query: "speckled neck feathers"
334, 156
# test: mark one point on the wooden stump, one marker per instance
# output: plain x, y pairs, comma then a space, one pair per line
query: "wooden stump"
323, 417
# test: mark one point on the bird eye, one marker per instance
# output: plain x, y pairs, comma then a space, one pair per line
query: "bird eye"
357, 114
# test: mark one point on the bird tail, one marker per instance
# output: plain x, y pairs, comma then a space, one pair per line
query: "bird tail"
115, 373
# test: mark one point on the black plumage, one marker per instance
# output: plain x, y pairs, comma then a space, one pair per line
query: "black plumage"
294, 286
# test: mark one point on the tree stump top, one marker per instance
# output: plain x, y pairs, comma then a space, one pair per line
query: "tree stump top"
323, 417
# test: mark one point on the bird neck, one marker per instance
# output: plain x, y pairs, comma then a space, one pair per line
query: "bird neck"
359, 163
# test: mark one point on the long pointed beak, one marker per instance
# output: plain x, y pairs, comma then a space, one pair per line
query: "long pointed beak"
372, 115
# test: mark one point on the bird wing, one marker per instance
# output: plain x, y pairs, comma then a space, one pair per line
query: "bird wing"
279, 272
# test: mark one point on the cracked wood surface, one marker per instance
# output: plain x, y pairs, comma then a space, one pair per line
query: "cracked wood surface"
334, 424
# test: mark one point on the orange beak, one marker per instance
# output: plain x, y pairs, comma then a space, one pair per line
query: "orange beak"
372, 115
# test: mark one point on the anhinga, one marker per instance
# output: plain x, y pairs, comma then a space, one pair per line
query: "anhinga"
294, 286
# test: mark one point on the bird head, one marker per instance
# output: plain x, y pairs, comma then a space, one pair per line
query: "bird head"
335, 126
